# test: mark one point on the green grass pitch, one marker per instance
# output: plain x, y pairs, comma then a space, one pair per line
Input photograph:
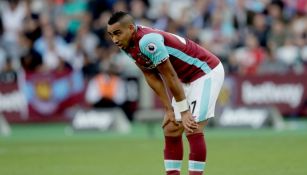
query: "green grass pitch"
49, 150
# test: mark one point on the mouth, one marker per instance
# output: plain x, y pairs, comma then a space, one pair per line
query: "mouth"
120, 46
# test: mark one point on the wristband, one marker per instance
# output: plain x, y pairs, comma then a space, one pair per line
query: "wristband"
182, 105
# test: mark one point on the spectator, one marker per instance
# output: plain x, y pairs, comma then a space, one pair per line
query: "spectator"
289, 54
31, 27
53, 48
105, 90
260, 28
272, 65
120, 5
88, 40
8, 74
162, 21
218, 36
31, 61
250, 56
274, 10
99, 28
74, 11
277, 36
12, 13
60, 27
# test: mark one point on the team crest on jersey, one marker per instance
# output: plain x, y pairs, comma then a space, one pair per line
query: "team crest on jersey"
144, 61
151, 47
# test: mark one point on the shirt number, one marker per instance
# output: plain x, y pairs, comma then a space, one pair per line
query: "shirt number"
193, 104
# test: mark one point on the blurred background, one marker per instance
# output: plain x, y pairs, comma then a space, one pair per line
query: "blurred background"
62, 78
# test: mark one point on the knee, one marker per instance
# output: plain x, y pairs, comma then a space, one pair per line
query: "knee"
200, 128
173, 130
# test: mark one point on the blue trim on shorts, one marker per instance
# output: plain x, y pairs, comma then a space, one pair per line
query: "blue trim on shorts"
205, 97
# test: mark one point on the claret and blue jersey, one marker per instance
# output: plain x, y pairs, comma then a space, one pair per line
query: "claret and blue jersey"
152, 47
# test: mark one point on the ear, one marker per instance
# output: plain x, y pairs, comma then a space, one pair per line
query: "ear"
131, 27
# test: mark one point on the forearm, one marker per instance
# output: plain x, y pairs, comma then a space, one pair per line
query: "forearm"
173, 83
175, 87
157, 85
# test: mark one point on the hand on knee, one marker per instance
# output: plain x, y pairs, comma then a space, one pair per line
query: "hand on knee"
173, 130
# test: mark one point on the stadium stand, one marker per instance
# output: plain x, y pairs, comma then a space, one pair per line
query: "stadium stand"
57, 37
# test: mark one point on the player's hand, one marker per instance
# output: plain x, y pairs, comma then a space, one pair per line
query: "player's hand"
188, 122
169, 117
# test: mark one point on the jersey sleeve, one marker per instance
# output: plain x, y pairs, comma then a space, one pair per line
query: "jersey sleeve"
152, 45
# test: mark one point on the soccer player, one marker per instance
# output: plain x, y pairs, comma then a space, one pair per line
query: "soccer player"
193, 75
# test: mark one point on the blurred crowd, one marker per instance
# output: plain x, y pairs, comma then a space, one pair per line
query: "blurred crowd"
250, 36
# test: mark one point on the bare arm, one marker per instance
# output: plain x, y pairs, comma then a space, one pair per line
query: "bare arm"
156, 83
171, 79
173, 83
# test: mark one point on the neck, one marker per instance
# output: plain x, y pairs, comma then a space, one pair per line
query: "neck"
133, 36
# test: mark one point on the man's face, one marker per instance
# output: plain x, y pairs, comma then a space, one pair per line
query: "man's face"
120, 34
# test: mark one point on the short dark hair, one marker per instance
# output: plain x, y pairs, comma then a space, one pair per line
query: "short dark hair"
117, 16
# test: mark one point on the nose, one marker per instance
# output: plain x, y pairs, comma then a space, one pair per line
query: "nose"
115, 39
